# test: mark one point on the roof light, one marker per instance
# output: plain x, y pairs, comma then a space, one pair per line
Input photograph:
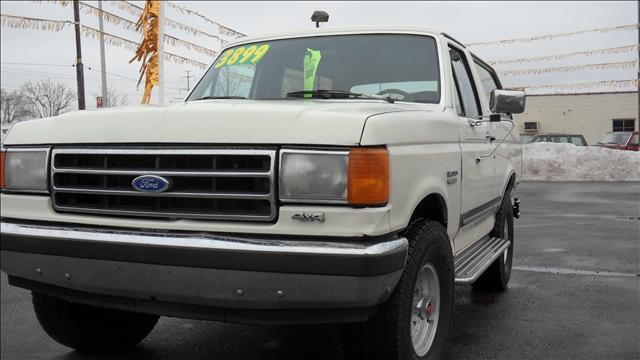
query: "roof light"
319, 16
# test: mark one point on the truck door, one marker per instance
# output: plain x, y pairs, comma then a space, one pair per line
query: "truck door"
487, 82
478, 187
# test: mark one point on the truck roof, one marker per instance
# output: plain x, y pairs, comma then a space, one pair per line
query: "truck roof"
337, 31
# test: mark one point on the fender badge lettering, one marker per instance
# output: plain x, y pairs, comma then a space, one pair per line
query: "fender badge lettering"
304, 217
452, 176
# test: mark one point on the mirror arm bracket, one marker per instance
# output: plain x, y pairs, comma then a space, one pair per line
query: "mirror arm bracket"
513, 125
483, 119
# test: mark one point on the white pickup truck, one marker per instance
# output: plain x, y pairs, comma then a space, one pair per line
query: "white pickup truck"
328, 176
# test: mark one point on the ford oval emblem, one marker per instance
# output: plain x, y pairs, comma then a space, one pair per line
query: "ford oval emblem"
151, 183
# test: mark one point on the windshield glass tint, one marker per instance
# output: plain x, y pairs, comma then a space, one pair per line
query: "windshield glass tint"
404, 67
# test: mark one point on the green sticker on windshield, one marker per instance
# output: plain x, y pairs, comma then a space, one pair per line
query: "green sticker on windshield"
311, 62
243, 55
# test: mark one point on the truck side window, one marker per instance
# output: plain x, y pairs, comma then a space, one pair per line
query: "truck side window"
487, 79
456, 99
464, 84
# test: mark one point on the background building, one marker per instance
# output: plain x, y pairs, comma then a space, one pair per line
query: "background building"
591, 114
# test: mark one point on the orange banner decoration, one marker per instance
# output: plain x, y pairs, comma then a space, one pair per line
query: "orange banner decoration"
147, 51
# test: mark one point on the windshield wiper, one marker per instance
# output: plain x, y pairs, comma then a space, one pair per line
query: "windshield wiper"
219, 97
338, 94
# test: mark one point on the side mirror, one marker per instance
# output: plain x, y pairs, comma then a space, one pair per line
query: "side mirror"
507, 101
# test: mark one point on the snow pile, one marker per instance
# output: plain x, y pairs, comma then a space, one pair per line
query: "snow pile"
567, 162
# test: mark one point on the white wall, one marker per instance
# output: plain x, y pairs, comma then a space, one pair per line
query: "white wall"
587, 114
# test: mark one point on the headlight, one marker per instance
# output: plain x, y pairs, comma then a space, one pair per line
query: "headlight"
313, 176
359, 176
25, 170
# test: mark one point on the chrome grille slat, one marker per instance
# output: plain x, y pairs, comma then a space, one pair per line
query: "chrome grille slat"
161, 173
174, 215
224, 184
164, 194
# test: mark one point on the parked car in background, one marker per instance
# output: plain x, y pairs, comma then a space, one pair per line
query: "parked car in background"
622, 140
575, 139
526, 138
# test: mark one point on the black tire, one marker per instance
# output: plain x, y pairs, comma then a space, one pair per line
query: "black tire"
496, 277
387, 336
91, 329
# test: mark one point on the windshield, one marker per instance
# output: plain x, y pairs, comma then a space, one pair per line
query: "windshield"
619, 138
404, 67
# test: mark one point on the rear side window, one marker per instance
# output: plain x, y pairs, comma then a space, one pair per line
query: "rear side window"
560, 139
577, 140
464, 84
487, 79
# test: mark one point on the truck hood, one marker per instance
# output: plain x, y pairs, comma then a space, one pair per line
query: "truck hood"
295, 121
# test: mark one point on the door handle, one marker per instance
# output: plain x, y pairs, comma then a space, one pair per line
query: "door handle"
491, 138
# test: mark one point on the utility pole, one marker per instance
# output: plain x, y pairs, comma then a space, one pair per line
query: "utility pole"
79, 67
188, 76
638, 84
103, 63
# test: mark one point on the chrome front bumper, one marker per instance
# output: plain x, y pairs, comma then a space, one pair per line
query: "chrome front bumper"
166, 272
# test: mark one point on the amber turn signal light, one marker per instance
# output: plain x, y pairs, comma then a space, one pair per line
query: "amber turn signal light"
368, 182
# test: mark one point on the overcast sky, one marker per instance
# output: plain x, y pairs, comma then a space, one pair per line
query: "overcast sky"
466, 21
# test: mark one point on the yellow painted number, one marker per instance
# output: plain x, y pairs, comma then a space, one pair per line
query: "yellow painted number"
247, 53
250, 55
260, 53
223, 59
235, 56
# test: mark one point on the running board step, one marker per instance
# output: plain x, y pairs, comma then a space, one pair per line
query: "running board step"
472, 262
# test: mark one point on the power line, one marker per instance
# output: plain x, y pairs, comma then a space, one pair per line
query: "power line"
35, 64
188, 77
112, 74
38, 75
123, 76
35, 72
62, 76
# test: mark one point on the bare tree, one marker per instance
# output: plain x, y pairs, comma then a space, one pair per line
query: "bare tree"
12, 106
232, 81
47, 98
115, 99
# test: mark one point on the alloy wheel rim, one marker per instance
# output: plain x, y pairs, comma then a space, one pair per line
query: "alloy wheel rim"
425, 309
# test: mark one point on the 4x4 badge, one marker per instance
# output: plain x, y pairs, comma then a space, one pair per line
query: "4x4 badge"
304, 217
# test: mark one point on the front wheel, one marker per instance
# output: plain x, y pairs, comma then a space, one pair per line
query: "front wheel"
91, 329
416, 321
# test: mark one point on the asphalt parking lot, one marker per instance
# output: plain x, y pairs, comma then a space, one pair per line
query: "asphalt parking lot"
574, 293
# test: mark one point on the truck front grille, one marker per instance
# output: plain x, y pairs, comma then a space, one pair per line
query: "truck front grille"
224, 184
